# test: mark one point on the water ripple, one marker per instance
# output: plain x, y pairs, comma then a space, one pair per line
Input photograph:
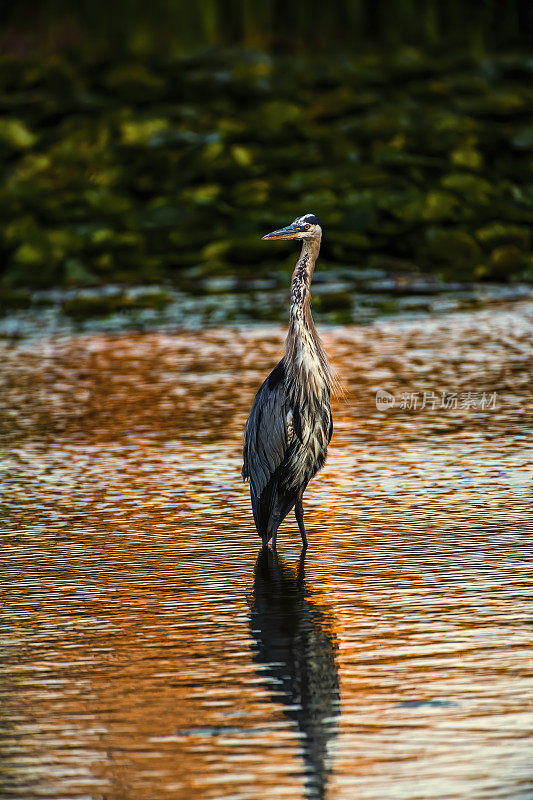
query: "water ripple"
148, 650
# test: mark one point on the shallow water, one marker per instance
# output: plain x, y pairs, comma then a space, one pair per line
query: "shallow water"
150, 652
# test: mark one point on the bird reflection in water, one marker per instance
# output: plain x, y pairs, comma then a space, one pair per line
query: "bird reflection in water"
296, 652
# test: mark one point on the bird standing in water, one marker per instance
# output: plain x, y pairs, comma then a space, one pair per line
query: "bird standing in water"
289, 428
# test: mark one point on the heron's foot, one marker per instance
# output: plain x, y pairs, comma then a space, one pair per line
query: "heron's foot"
275, 522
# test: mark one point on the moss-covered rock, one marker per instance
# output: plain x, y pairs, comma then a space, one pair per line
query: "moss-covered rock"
333, 301
505, 261
16, 134
455, 248
98, 304
498, 233
90, 306
473, 188
13, 299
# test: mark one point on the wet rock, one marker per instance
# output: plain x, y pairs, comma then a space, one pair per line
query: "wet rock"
104, 304
218, 285
152, 299
90, 305
382, 305
12, 298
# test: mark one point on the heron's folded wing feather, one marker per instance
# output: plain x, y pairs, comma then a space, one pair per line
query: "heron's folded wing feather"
265, 437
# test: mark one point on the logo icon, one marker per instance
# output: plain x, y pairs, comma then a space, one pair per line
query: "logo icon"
384, 400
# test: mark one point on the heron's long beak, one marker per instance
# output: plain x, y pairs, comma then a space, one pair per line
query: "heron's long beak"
290, 232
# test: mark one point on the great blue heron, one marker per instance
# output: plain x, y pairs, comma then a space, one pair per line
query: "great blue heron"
290, 425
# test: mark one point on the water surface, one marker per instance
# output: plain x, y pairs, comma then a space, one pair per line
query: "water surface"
149, 650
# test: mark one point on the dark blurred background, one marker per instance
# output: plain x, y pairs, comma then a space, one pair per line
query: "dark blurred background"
156, 142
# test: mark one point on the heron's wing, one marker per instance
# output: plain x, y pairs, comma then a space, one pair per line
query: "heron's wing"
270, 432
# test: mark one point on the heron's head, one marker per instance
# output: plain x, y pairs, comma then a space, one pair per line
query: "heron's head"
306, 227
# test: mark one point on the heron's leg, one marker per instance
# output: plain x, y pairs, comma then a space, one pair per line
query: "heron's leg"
299, 514
274, 525
274, 537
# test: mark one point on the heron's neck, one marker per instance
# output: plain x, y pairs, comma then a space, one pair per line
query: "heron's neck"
301, 280
304, 354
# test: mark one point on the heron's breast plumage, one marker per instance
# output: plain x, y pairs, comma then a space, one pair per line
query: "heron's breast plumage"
310, 450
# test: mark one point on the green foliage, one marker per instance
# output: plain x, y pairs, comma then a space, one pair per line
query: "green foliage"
154, 168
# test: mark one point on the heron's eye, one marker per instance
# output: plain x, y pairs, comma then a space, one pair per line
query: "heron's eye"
307, 227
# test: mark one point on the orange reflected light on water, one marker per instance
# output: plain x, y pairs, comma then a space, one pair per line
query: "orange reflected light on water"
149, 656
